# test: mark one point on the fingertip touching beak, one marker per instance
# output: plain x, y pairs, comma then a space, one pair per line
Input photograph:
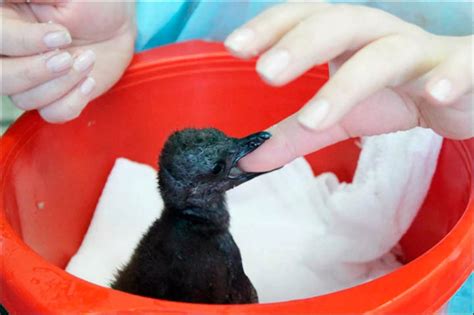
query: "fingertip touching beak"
245, 146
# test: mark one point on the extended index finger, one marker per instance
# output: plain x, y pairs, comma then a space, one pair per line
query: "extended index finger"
289, 140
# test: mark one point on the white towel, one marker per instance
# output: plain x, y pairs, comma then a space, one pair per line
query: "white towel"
299, 235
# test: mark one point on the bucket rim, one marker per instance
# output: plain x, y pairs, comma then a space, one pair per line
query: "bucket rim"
20, 260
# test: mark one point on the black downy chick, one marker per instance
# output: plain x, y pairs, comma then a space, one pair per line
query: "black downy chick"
188, 254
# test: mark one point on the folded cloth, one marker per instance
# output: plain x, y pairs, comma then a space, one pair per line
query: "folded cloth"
299, 235
128, 205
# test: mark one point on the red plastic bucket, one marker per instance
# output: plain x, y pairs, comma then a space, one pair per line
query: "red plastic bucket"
52, 176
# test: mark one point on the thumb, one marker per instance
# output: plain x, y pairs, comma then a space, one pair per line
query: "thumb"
289, 140
20, 38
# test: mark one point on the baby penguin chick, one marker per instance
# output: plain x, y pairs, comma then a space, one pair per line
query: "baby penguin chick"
188, 254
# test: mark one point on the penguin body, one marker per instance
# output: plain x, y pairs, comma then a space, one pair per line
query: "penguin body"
188, 254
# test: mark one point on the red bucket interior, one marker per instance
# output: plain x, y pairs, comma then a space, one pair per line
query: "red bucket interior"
54, 174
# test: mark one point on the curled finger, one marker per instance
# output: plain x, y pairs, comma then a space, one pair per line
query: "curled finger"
387, 62
452, 79
260, 33
54, 89
71, 105
324, 36
23, 73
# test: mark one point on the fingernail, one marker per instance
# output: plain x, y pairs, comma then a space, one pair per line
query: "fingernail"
57, 39
84, 61
87, 86
313, 114
240, 39
60, 62
273, 64
441, 90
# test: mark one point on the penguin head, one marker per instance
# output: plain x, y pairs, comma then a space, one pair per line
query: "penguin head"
196, 166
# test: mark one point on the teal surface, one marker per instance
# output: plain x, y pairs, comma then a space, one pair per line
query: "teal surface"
166, 22
463, 301
8, 113
160, 23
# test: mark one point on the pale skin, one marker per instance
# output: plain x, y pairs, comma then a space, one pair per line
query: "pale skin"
386, 74
56, 56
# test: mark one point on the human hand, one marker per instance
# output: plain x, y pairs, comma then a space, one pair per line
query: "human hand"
58, 55
389, 75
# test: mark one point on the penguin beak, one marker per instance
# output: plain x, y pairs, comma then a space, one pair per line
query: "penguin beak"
245, 146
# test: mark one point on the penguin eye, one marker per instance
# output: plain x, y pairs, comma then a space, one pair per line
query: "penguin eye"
218, 168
